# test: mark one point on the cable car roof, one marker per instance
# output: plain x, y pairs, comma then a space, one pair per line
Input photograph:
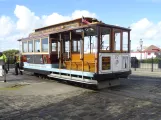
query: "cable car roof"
67, 26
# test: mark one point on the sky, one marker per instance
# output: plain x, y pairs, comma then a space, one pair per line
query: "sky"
18, 18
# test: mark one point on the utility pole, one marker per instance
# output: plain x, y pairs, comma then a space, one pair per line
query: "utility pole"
141, 47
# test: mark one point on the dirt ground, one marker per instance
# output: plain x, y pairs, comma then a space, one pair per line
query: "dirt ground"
29, 98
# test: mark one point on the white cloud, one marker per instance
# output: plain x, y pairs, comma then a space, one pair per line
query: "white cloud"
27, 21
146, 30
6, 26
55, 18
80, 13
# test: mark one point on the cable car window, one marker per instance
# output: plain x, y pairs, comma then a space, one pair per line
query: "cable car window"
54, 46
30, 46
76, 46
89, 39
45, 45
66, 46
37, 45
117, 39
105, 38
24, 45
125, 41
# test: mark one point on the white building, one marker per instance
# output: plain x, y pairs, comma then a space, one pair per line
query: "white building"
149, 52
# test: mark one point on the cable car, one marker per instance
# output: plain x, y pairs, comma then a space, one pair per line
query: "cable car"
83, 50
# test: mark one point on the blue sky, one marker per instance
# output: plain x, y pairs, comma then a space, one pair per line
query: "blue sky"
122, 12
143, 16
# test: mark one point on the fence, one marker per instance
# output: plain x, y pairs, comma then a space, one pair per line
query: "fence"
152, 64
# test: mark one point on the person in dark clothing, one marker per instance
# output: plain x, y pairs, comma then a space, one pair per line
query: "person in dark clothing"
18, 67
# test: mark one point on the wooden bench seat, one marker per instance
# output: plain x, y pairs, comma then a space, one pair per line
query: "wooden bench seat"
77, 65
89, 66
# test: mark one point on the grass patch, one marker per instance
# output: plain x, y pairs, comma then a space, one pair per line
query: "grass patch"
14, 87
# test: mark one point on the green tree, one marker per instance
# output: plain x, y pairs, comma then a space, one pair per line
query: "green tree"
10, 54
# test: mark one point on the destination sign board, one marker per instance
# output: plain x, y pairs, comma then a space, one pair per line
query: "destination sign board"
106, 63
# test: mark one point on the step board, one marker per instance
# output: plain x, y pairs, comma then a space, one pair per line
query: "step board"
74, 79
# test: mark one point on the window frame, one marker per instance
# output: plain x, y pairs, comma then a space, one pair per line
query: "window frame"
32, 46
105, 27
41, 45
23, 46
35, 51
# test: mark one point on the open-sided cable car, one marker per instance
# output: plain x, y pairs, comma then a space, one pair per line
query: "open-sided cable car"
83, 50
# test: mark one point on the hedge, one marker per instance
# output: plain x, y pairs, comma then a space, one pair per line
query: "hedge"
155, 60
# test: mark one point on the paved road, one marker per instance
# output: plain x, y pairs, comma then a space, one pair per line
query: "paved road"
135, 99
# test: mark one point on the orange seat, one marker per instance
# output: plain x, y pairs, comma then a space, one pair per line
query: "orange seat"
76, 63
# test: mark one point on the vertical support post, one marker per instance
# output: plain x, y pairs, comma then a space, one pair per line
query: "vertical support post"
90, 44
129, 42
27, 46
34, 46
60, 55
101, 47
40, 44
98, 47
49, 44
112, 42
152, 65
121, 41
77, 45
70, 49
82, 53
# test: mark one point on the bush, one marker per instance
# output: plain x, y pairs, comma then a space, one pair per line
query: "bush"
155, 60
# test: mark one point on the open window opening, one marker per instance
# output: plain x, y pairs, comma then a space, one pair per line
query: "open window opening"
105, 39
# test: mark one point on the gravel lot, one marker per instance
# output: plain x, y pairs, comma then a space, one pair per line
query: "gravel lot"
30, 98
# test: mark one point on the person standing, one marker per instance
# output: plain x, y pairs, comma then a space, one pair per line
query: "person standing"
17, 64
3, 57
